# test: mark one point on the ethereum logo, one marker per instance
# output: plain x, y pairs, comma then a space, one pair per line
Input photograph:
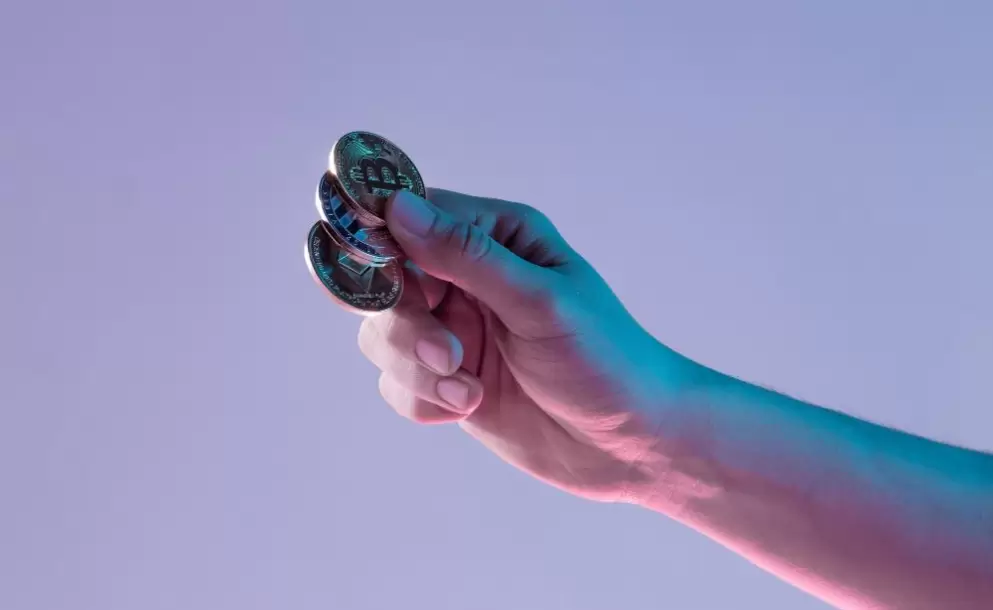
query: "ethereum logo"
358, 272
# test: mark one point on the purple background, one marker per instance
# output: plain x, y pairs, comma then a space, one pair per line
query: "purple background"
799, 195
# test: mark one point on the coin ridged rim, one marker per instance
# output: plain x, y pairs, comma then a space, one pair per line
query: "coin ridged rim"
335, 168
321, 273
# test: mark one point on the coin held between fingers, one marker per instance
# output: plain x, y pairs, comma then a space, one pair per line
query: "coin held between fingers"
350, 252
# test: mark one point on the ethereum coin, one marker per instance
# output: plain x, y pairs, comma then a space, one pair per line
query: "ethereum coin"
370, 168
353, 283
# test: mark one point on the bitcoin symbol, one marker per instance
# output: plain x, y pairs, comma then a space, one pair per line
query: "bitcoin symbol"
380, 174
370, 170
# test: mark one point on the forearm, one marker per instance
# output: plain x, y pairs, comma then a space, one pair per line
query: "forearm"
859, 515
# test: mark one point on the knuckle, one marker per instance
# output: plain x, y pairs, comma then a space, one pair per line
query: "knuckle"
469, 242
392, 331
407, 371
405, 328
452, 234
543, 298
547, 308
378, 335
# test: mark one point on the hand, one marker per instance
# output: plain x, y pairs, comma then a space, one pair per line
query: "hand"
509, 332
506, 330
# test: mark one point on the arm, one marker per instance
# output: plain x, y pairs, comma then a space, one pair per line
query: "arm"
859, 515
568, 387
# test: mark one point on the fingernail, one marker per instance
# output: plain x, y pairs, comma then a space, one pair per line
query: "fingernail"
454, 392
433, 356
412, 213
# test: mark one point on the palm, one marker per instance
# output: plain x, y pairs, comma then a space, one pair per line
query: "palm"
547, 406
560, 371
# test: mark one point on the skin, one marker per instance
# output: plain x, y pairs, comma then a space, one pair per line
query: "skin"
507, 332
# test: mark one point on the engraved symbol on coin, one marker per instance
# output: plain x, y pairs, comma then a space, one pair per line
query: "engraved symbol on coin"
353, 283
379, 175
370, 169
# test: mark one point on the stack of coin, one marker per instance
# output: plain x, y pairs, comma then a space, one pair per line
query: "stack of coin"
349, 251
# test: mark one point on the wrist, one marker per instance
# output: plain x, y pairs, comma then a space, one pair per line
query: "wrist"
673, 465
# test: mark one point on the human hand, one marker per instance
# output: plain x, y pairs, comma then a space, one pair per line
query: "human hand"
506, 330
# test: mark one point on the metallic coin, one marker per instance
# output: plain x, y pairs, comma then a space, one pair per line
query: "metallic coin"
365, 218
371, 168
375, 245
355, 285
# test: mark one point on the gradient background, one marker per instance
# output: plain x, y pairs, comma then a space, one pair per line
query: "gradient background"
795, 193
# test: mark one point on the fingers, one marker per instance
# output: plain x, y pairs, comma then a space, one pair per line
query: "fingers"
420, 360
412, 337
458, 250
427, 407
412, 407
520, 228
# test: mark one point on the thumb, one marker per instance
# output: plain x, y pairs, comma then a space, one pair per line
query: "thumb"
460, 252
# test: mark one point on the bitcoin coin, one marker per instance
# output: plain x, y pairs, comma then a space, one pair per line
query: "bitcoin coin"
370, 168
374, 244
353, 283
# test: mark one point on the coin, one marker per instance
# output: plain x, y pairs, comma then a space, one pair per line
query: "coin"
370, 168
354, 284
365, 217
375, 244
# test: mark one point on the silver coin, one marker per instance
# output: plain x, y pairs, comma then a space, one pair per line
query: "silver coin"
374, 244
353, 283
371, 168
